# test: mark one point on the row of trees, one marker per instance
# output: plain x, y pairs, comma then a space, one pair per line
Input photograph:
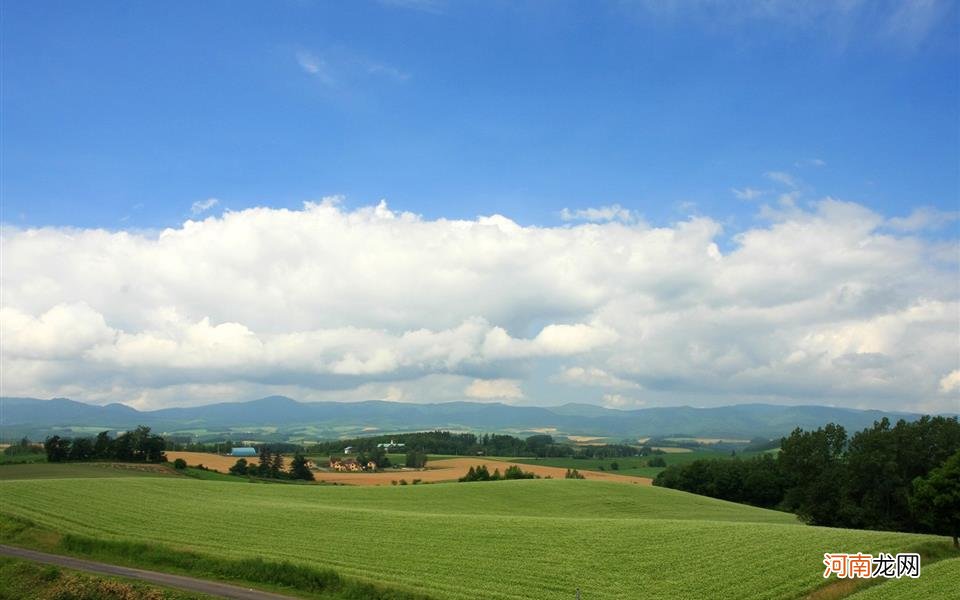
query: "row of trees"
903, 477
270, 466
488, 444
481, 473
415, 460
138, 445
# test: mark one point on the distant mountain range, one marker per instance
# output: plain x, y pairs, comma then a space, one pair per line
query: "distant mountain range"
279, 417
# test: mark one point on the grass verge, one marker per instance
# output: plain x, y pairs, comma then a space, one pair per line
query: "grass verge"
25, 580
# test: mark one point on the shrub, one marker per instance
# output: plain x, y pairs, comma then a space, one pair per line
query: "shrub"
179, 464
240, 467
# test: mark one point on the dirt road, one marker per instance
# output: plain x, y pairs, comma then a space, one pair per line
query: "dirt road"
192, 584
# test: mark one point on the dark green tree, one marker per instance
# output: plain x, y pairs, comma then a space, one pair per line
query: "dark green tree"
276, 466
179, 464
240, 467
935, 500
416, 460
102, 446
57, 448
299, 468
263, 466
812, 463
81, 449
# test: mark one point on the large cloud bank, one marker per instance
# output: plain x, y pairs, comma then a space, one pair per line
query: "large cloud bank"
828, 304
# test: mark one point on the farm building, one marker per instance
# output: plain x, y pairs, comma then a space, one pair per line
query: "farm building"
348, 450
391, 446
351, 465
243, 451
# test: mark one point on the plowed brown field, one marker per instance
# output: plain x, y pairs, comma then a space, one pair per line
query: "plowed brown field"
215, 462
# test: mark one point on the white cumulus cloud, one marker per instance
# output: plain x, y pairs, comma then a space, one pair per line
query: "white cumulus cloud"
824, 302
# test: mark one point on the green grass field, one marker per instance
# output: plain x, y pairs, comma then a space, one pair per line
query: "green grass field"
6, 459
509, 540
938, 581
634, 465
81, 470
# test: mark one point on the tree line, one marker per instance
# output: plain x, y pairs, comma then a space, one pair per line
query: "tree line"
487, 444
481, 473
902, 477
138, 445
270, 466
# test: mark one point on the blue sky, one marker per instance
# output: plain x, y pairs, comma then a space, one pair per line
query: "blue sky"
124, 115
622, 203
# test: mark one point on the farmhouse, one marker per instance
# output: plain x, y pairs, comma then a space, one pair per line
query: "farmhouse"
348, 450
346, 465
350, 465
243, 452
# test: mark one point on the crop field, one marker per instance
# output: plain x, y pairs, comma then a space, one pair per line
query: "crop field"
442, 469
451, 469
216, 462
527, 539
938, 581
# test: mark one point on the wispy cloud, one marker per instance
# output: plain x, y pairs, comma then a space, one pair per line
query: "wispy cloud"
747, 193
339, 68
907, 23
783, 178
923, 218
599, 214
316, 66
810, 162
381, 69
201, 206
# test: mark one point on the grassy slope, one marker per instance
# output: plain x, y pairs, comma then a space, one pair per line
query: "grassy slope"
939, 580
512, 539
24, 580
81, 470
22, 458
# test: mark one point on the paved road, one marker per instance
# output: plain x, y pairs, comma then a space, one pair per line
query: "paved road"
175, 581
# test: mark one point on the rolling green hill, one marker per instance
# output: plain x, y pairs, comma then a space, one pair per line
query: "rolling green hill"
938, 581
508, 540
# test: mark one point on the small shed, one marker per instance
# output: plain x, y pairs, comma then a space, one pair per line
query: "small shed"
245, 451
348, 450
